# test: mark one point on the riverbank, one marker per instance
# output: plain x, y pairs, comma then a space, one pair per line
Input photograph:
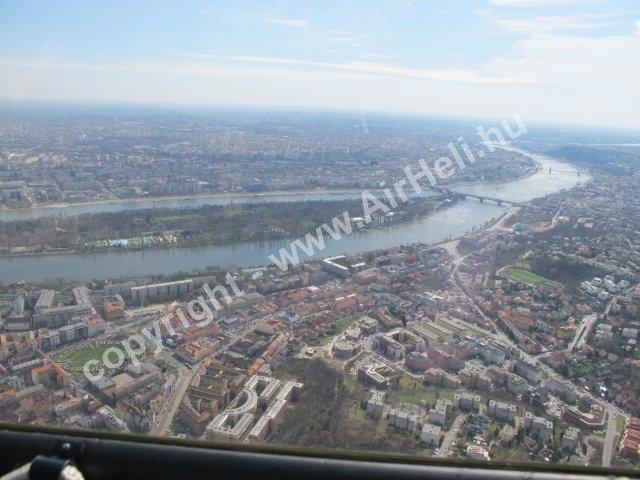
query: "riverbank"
246, 195
405, 213
199, 196
464, 217
491, 224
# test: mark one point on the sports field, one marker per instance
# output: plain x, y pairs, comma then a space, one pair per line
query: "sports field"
75, 357
529, 278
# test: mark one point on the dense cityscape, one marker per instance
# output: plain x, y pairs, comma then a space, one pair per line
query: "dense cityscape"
382, 239
514, 340
98, 155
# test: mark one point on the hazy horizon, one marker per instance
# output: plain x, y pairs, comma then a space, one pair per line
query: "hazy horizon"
8, 105
557, 61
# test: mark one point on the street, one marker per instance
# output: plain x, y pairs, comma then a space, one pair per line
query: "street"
607, 449
450, 435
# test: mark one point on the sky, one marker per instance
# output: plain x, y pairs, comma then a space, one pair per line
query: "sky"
556, 61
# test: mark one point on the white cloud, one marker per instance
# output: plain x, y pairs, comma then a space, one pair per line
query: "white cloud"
603, 67
347, 40
552, 24
548, 74
272, 67
290, 22
268, 60
549, 50
556, 23
377, 56
386, 70
209, 79
535, 3
196, 55
207, 11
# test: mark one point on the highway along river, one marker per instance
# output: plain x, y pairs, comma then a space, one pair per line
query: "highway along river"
450, 222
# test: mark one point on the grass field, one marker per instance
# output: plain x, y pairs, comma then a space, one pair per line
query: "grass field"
529, 278
413, 391
174, 218
342, 324
509, 454
307, 224
621, 422
75, 357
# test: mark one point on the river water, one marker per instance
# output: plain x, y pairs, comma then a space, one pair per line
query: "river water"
450, 222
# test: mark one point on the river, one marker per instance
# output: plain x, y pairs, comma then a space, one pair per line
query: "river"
449, 222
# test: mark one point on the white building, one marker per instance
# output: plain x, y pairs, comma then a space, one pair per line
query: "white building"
431, 434
476, 452
570, 438
467, 401
439, 413
492, 352
403, 419
161, 291
541, 425
502, 411
375, 404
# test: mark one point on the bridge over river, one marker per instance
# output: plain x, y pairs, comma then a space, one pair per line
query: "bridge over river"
482, 198
446, 223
